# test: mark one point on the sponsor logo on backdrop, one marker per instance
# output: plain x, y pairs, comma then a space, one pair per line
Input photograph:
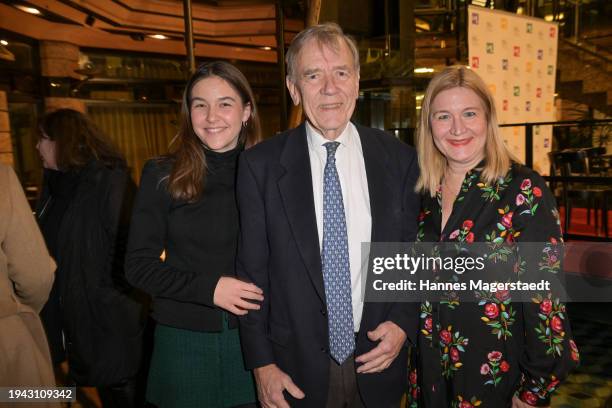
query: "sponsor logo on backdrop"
490, 69
504, 64
493, 89
505, 105
528, 88
505, 85
540, 54
528, 66
475, 41
549, 70
528, 106
517, 90
548, 107
516, 31
549, 88
538, 92
529, 28
516, 51
475, 62
552, 32
504, 23
504, 44
538, 110
539, 73
540, 35
490, 48
475, 18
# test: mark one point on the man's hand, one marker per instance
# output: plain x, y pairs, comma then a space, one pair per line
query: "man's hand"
271, 382
392, 338
234, 295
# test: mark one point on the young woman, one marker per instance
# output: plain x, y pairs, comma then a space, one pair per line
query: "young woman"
186, 209
92, 318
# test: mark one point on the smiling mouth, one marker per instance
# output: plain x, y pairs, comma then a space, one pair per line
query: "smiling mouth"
330, 106
215, 130
461, 142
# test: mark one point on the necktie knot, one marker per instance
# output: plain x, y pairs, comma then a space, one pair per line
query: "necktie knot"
331, 149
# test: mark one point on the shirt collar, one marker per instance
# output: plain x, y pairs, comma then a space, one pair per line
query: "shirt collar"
316, 140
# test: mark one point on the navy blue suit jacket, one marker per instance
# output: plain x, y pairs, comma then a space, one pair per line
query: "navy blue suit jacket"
279, 251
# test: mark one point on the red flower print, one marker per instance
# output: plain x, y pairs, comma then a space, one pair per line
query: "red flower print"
556, 324
465, 404
494, 356
520, 199
504, 366
454, 354
507, 220
529, 397
552, 385
537, 192
575, 354
454, 234
468, 224
413, 377
428, 324
526, 184
491, 310
485, 369
470, 237
415, 393
510, 238
421, 216
445, 336
502, 294
546, 306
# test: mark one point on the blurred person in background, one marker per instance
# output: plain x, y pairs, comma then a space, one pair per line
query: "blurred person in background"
26, 276
186, 208
93, 318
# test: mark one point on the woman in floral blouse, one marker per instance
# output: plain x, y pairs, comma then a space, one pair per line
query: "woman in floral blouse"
492, 352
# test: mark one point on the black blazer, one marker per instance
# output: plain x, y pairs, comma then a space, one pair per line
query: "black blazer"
279, 251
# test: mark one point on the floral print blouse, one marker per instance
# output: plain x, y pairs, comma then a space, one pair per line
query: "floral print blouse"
482, 353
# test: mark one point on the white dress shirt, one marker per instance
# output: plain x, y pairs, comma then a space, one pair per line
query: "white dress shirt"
355, 196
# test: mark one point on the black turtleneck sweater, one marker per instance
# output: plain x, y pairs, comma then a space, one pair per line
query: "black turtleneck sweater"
199, 240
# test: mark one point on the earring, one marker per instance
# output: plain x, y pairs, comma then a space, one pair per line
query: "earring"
244, 124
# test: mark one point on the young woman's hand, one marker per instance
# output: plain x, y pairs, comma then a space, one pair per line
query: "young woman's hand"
233, 295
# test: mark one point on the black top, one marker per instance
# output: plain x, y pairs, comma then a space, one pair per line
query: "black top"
485, 351
199, 240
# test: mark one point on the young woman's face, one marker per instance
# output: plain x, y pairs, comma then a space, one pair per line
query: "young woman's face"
217, 113
46, 149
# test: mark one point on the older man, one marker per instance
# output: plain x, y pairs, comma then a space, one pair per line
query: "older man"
308, 198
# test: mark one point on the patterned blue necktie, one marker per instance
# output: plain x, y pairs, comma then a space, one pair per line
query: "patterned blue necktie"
335, 260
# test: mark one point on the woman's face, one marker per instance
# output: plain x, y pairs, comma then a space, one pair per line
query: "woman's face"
46, 149
217, 113
459, 126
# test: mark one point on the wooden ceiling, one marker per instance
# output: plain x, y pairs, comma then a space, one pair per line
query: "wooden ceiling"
231, 29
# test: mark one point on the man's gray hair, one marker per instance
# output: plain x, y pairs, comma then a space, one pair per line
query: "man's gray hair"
326, 34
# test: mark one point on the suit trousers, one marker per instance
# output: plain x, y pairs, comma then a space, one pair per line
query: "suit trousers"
343, 391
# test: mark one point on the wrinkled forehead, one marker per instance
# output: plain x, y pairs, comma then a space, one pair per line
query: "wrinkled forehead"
335, 46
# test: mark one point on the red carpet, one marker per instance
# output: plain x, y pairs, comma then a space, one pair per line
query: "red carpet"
579, 224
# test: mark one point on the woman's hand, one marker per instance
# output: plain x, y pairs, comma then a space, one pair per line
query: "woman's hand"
233, 294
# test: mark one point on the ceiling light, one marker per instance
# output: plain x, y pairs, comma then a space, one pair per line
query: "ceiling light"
27, 9
3, 42
266, 48
423, 70
158, 36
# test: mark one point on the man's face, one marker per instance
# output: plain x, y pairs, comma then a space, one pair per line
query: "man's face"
327, 84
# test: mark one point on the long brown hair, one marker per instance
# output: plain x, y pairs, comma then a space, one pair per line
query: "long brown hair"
78, 140
186, 179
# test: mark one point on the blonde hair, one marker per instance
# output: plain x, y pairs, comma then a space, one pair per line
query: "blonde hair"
432, 162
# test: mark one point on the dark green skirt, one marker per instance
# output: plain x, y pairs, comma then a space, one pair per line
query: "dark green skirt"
197, 369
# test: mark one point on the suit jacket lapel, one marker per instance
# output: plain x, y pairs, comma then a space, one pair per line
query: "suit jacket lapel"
295, 188
380, 192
